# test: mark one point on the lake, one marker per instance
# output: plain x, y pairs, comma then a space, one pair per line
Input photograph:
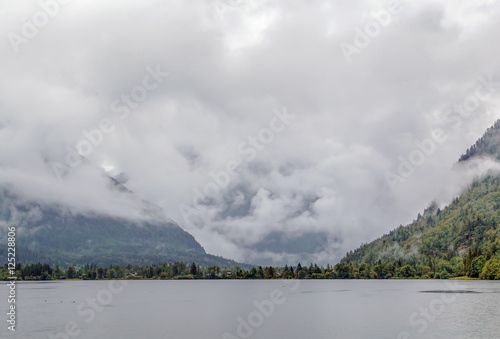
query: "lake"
311, 309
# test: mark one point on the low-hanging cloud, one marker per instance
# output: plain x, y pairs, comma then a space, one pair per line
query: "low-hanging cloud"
320, 180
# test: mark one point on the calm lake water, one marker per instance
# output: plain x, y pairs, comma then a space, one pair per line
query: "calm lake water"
255, 309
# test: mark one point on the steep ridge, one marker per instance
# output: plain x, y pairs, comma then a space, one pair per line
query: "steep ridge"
463, 239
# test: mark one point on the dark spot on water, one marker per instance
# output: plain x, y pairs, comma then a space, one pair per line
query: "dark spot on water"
449, 291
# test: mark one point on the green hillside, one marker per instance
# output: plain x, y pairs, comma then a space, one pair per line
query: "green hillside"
55, 236
463, 239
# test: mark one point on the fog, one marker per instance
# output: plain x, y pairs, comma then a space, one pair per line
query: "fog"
319, 124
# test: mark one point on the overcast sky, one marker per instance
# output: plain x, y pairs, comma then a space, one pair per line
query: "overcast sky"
311, 109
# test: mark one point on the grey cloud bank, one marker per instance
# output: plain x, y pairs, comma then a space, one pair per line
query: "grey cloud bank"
321, 179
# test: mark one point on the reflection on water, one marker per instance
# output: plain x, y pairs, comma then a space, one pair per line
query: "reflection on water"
256, 309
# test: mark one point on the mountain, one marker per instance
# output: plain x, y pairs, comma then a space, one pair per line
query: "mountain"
462, 239
56, 234
487, 145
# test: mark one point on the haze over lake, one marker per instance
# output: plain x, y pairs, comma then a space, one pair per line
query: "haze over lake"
216, 309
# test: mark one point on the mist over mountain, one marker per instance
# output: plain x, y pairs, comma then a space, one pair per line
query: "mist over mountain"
61, 234
177, 94
486, 146
459, 239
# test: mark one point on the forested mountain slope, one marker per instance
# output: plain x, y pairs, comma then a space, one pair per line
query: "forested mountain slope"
487, 145
462, 239
55, 235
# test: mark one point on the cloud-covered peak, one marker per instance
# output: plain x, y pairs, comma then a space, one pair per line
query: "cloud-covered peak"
271, 125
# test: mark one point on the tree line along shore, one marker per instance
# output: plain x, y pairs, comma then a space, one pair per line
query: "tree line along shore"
399, 269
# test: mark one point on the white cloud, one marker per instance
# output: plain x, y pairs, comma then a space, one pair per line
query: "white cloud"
323, 173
